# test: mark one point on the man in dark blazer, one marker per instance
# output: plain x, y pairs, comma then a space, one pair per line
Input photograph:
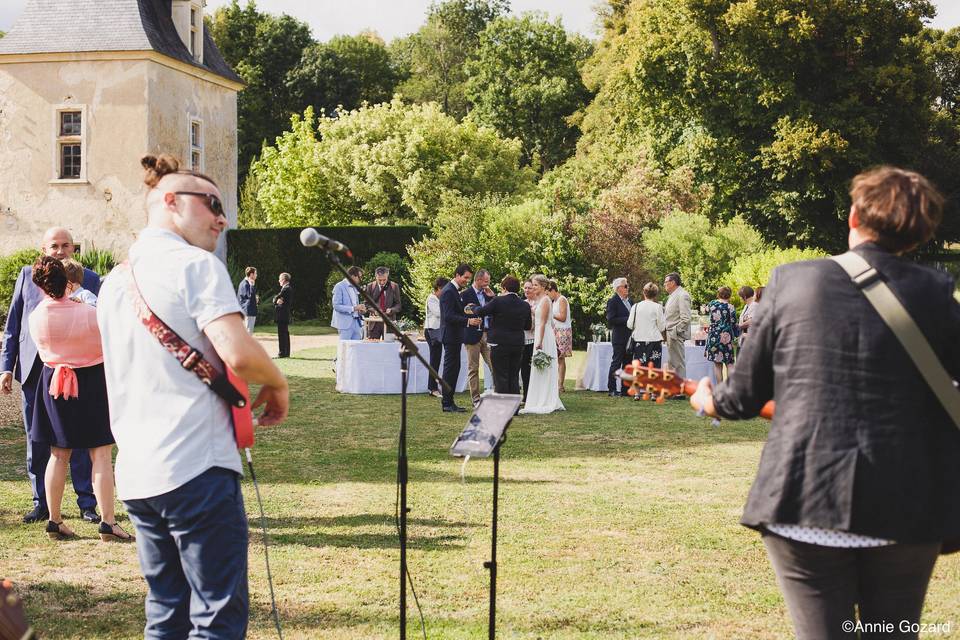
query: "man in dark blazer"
452, 324
618, 312
509, 317
387, 296
858, 484
475, 339
19, 360
281, 304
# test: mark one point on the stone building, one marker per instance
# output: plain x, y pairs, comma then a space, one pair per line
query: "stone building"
89, 86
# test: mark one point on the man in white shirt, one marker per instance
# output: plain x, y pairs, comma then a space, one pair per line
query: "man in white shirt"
677, 315
177, 468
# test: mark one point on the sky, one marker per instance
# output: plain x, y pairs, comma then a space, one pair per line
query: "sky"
393, 18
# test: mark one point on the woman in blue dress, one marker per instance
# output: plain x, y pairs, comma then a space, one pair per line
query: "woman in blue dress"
720, 339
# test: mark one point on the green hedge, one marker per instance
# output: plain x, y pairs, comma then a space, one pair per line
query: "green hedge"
273, 251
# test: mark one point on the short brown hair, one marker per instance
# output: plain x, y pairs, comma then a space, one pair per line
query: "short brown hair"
355, 272
724, 293
249, 270
901, 208
74, 270
746, 291
511, 284
650, 291
156, 167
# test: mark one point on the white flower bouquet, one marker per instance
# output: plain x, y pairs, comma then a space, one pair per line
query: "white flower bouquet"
541, 360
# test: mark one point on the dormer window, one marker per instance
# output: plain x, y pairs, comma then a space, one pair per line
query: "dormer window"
194, 20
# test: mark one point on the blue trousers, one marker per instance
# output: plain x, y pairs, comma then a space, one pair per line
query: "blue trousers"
192, 544
38, 454
352, 333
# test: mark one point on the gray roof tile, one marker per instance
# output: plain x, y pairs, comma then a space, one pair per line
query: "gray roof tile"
57, 26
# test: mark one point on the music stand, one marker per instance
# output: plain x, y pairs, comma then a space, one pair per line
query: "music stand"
485, 433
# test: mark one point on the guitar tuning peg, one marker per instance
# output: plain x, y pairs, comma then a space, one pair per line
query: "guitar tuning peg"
645, 396
660, 400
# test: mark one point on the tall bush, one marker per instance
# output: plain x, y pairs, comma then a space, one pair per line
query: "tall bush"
754, 269
701, 252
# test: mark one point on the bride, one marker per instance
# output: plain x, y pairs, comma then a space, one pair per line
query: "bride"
543, 396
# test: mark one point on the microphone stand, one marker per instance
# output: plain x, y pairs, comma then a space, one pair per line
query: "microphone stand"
407, 348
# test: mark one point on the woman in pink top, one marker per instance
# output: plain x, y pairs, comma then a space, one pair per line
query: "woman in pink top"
70, 411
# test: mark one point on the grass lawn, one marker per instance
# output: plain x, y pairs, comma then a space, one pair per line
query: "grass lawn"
315, 327
617, 520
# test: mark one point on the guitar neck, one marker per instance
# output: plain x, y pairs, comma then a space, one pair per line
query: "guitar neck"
690, 387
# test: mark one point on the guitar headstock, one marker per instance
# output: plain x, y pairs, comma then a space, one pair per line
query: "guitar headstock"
651, 383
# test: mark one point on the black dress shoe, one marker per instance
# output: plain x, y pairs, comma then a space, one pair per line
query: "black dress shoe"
454, 409
38, 514
90, 515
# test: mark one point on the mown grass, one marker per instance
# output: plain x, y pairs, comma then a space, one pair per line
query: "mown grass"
617, 520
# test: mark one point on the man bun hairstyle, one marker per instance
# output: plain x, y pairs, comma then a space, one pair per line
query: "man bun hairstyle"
156, 167
49, 275
651, 290
901, 208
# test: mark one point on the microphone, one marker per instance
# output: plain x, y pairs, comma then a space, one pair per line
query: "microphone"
309, 237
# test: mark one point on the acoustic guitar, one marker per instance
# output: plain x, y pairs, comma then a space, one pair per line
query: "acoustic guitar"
13, 623
651, 383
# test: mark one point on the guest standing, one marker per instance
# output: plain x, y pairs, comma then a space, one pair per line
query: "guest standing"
677, 314
746, 314
563, 327
509, 319
618, 311
431, 331
347, 308
857, 489
387, 296
452, 323
281, 305
475, 338
723, 319
648, 328
70, 409
531, 299
247, 295
19, 360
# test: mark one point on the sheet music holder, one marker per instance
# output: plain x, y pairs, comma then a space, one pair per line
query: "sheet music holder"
484, 434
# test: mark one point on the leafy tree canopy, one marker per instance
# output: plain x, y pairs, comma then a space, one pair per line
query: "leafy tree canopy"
385, 162
525, 81
774, 103
432, 59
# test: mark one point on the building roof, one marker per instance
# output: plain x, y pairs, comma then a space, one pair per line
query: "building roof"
66, 26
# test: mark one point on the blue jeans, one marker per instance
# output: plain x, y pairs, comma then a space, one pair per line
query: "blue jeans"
192, 544
38, 454
353, 332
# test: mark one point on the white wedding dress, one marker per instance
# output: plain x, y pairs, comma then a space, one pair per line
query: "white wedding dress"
544, 393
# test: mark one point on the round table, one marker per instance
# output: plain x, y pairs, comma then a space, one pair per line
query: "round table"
373, 367
596, 367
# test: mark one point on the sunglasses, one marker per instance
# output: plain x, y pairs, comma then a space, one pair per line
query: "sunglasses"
213, 202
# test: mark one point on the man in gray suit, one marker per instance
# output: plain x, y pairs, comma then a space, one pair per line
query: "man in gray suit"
677, 316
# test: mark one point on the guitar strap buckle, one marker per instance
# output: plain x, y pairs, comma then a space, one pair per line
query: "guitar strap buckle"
865, 278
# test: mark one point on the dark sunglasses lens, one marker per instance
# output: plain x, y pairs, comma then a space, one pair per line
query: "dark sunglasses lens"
216, 206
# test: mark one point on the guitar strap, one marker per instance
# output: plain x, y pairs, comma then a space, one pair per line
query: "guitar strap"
188, 357
869, 281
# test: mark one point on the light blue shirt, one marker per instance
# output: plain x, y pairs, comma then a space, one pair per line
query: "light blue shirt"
345, 298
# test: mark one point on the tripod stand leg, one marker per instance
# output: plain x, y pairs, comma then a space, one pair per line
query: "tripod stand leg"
402, 470
492, 564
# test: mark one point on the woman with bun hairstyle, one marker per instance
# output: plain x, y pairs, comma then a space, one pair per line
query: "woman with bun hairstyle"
70, 411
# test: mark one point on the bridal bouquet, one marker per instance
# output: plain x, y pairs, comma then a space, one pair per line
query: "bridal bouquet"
541, 360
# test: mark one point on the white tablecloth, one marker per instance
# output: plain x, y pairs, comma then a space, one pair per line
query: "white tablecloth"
374, 367
597, 365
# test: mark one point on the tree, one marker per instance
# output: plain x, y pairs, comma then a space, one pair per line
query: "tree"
262, 49
525, 81
776, 104
382, 163
345, 72
432, 59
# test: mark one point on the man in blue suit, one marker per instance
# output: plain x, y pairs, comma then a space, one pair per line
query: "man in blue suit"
19, 360
247, 295
453, 321
347, 307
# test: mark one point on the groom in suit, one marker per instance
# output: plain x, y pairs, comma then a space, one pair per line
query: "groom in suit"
19, 360
452, 323
618, 311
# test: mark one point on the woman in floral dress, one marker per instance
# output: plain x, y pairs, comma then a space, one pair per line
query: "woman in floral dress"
720, 339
